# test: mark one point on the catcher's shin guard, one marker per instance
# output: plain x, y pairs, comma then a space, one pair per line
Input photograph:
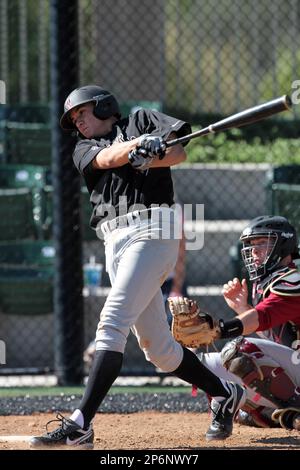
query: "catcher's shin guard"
288, 418
255, 415
247, 361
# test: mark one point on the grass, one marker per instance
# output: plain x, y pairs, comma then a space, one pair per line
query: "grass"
42, 391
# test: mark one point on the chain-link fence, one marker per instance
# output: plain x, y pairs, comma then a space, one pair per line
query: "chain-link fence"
194, 59
194, 55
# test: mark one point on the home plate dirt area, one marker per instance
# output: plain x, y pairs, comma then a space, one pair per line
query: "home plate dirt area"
150, 430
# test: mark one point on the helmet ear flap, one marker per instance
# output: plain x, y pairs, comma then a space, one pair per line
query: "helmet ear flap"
106, 106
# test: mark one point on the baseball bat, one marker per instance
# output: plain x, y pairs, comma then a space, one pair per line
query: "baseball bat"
250, 115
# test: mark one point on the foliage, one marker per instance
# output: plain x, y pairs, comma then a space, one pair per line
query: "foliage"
285, 73
221, 149
224, 56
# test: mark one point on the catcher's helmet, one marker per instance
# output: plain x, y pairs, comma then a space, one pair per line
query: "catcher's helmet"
282, 241
106, 104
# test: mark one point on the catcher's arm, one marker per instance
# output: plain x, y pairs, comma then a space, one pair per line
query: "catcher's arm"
236, 296
193, 328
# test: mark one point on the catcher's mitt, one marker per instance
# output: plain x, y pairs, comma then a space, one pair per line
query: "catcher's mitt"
288, 418
190, 326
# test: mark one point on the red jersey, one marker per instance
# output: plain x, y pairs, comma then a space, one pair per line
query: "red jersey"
278, 307
275, 310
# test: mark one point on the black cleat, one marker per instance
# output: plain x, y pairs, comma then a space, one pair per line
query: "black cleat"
223, 413
68, 433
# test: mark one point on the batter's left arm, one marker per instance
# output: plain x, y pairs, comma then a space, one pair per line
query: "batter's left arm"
114, 156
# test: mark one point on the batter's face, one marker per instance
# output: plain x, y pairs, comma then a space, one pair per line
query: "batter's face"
88, 125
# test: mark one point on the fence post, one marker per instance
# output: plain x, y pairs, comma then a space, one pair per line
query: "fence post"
68, 301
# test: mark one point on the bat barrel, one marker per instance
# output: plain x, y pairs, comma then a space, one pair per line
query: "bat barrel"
257, 113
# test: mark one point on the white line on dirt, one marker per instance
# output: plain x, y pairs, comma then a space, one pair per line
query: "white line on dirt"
15, 438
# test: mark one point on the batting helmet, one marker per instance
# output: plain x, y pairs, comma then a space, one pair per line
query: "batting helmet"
106, 104
282, 239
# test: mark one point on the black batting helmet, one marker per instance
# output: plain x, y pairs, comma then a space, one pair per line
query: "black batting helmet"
106, 104
282, 239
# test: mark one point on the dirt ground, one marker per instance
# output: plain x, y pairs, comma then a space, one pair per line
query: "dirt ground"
154, 430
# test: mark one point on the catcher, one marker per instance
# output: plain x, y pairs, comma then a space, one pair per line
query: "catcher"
268, 366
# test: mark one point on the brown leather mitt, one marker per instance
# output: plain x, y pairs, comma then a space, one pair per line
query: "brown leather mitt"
191, 327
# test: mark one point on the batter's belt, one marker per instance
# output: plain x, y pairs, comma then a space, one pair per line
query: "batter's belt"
134, 218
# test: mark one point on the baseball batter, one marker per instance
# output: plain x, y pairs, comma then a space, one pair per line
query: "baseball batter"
270, 365
126, 168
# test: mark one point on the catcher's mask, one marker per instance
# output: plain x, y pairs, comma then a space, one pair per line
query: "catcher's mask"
106, 104
280, 240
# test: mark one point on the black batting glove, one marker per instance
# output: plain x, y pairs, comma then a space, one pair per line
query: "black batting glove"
154, 145
139, 159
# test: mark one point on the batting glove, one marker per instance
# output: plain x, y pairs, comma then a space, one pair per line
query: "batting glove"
139, 159
154, 145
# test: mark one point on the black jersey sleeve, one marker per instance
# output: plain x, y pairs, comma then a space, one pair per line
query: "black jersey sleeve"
85, 151
156, 123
